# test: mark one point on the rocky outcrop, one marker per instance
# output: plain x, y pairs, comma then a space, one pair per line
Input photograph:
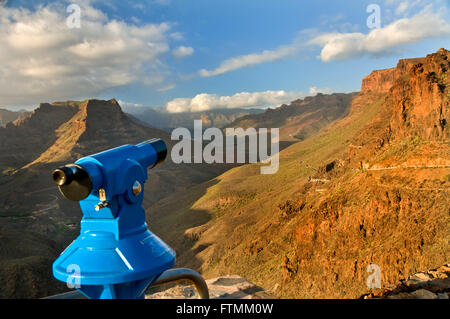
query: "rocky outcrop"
418, 102
432, 284
382, 80
416, 107
226, 287
421, 99
379, 80
94, 125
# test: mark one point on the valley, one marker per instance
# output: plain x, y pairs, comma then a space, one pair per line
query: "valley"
364, 178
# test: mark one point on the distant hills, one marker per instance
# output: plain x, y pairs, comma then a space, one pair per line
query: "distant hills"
301, 118
168, 121
7, 116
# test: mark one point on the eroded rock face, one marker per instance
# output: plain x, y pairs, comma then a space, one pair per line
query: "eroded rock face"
379, 80
382, 80
418, 95
420, 99
226, 287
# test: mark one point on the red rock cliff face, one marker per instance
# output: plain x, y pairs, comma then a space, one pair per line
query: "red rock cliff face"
382, 80
417, 100
379, 81
420, 99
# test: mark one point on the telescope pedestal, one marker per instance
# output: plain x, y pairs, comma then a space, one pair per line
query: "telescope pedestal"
115, 255
111, 268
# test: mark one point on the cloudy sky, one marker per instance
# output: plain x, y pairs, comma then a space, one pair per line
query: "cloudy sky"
203, 54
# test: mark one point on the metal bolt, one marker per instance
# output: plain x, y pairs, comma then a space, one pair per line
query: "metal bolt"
137, 188
101, 205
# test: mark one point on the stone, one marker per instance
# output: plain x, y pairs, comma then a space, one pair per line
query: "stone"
439, 284
188, 292
378, 293
443, 295
225, 287
423, 294
445, 268
419, 280
438, 274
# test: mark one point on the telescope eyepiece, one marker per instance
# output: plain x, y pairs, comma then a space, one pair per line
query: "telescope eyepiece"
62, 176
76, 182
73, 181
161, 149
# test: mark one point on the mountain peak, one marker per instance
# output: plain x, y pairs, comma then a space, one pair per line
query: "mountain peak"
84, 127
382, 80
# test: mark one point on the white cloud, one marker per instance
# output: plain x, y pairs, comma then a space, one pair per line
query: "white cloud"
204, 101
125, 105
44, 60
250, 60
402, 7
177, 36
182, 52
166, 88
343, 46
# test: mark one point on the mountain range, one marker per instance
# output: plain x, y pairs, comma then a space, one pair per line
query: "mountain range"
363, 179
161, 119
370, 188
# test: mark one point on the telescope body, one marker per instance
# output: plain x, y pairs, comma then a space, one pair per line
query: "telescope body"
115, 255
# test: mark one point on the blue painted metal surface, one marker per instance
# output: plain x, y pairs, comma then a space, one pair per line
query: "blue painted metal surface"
115, 255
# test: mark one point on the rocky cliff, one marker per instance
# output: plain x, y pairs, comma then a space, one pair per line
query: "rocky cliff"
382, 80
420, 99
418, 95
371, 188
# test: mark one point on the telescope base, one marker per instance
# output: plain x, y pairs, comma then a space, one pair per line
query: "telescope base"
128, 290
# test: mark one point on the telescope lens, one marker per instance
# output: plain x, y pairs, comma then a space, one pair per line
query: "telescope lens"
73, 182
161, 149
62, 176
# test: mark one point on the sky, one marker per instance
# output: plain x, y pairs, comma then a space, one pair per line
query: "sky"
194, 55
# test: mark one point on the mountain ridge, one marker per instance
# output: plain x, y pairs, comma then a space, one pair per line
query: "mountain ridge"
168, 121
302, 117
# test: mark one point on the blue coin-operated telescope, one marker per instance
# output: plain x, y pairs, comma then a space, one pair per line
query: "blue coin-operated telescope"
115, 255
